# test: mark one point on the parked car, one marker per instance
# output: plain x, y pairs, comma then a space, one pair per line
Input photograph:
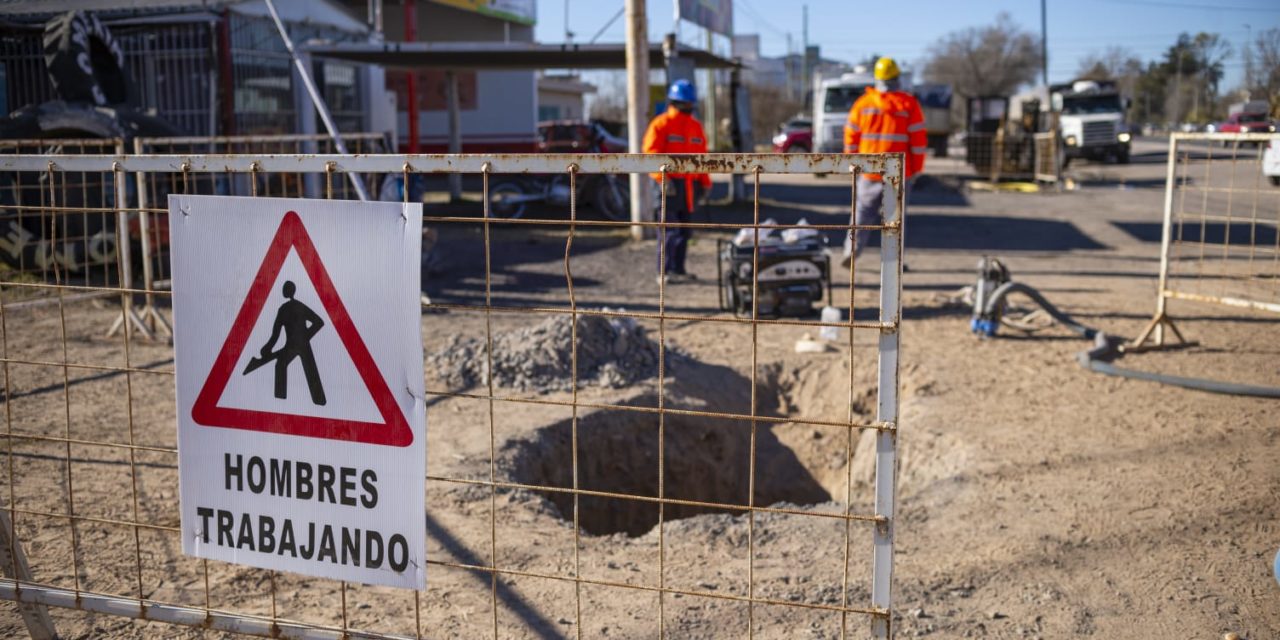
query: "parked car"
1246, 123
577, 136
1271, 162
794, 136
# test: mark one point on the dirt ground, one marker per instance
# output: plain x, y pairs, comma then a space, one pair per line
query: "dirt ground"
1036, 499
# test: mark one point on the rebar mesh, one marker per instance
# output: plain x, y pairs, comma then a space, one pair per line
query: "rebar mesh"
74, 401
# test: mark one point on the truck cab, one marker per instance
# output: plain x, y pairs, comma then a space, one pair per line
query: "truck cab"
1087, 114
831, 103
1091, 118
835, 96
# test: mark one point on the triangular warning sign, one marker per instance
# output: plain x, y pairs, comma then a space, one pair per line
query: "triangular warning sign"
393, 431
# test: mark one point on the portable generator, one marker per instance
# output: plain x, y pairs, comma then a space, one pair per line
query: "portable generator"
793, 274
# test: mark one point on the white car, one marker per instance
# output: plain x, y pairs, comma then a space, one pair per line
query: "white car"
1271, 161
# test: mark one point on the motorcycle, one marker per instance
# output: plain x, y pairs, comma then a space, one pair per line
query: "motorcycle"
609, 193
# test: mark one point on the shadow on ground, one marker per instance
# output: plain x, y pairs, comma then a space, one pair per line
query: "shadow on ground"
1242, 234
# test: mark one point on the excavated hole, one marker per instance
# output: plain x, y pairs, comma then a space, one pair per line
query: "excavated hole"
706, 460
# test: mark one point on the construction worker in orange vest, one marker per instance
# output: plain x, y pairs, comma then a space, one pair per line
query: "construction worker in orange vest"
883, 120
677, 131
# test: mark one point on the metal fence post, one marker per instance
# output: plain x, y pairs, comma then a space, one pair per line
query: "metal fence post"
886, 470
149, 312
124, 253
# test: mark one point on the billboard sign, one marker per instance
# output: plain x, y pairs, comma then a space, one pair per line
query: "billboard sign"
716, 15
522, 11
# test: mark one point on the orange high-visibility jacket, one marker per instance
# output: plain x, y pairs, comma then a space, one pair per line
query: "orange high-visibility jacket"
677, 132
889, 122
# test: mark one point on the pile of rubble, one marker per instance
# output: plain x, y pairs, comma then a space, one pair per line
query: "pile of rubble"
612, 353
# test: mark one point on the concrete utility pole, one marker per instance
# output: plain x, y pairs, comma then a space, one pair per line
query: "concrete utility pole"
713, 122
453, 101
568, 35
410, 13
637, 107
804, 51
1177, 92
1044, 41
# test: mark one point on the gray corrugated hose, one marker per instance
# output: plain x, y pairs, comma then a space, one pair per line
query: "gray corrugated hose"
1106, 349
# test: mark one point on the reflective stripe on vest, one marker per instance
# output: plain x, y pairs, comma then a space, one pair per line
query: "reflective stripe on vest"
916, 127
887, 137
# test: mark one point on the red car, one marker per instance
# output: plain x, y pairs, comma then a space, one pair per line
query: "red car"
1246, 123
796, 136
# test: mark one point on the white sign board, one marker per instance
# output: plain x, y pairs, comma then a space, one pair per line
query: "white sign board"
301, 421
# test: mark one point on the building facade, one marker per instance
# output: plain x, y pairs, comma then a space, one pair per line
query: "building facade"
499, 108
207, 67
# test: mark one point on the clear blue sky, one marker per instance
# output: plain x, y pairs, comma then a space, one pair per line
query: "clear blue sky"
906, 28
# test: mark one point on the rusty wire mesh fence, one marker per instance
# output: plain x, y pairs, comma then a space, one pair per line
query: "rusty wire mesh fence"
85, 228
152, 189
998, 156
90, 447
1219, 241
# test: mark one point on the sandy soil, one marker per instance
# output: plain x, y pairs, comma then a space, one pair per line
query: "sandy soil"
1036, 499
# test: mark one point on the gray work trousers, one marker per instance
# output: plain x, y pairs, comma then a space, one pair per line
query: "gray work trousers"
867, 212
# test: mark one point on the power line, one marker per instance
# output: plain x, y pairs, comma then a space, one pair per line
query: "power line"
1186, 5
760, 20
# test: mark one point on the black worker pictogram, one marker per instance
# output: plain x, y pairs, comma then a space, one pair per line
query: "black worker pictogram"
299, 324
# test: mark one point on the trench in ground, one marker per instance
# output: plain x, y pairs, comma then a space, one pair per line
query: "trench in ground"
706, 460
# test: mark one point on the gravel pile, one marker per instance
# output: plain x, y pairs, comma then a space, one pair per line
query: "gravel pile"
612, 353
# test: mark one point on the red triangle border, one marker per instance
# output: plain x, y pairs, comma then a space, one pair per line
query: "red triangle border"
393, 431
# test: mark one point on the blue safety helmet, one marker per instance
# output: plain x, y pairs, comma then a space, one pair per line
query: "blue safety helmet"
682, 91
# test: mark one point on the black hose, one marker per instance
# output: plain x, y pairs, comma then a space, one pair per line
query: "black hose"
1106, 349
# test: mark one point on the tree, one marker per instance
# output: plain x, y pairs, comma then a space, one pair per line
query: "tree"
1262, 68
984, 61
1183, 86
1211, 51
1119, 64
1112, 63
770, 107
610, 101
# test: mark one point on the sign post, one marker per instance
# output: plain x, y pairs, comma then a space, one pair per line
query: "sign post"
301, 421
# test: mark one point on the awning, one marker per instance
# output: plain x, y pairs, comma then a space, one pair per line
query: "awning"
506, 57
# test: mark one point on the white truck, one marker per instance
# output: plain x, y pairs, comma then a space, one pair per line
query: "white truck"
1090, 117
833, 98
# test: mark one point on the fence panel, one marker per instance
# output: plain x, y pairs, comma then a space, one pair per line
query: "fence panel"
153, 189
91, 457
79, 239
1219, 241
999, 156
1048, 157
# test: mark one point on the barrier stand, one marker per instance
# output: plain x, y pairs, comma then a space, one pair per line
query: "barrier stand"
150, 315
1245, 280
128, 313
13, 562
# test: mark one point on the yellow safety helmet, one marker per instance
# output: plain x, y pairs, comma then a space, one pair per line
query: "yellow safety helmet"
886, 69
